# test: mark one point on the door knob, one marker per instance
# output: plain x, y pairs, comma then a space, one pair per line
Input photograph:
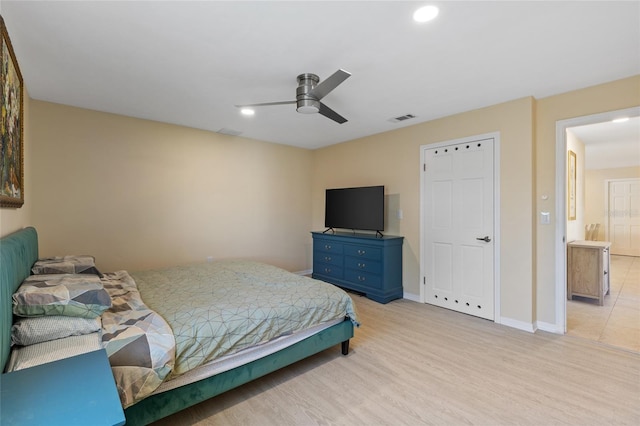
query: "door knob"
485, 239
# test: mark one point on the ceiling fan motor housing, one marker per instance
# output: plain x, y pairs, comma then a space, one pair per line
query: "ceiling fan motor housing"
305, 103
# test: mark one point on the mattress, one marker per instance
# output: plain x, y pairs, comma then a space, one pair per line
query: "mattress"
243, 357
222, 308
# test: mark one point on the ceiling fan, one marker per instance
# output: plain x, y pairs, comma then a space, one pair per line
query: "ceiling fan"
309, 93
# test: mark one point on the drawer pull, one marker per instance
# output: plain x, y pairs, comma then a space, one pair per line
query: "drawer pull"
361, 265
361, 252
327, 259
327, 270
361, 279
327, 247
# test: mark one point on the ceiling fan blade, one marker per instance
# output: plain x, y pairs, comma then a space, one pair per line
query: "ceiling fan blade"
329, 113
267, 104
330, 83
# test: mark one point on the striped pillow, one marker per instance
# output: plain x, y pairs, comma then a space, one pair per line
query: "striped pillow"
29, 331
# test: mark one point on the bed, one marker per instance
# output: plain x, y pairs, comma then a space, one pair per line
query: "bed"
183, 385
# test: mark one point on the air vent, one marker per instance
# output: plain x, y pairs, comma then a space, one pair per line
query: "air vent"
402, 118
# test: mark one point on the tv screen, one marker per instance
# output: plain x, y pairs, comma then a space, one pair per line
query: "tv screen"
355, 208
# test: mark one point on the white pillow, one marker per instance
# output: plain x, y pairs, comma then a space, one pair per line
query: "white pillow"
53, 350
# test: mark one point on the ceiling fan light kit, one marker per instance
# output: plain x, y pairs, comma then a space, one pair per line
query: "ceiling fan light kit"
308, 106
309, 93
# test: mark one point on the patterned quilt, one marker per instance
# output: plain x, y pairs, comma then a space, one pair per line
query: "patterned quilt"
222, 307
138, 341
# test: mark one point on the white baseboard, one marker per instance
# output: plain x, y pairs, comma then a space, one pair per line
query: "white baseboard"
307, 272
549, 327
411, 296
509, 322
520, 325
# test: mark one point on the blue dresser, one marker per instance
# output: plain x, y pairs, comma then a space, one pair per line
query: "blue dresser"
360, 262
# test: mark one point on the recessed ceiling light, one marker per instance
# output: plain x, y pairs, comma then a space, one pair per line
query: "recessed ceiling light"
620, 120
247, 111
425, 13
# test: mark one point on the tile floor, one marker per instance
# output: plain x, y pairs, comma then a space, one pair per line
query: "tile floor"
617, 323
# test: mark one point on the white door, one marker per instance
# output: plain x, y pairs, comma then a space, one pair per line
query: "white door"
458, 213
624, 217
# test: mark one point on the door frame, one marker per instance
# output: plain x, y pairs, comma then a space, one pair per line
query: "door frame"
496, 215
561, 210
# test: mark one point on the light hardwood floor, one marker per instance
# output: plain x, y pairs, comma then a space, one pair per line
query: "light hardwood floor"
416, 364
617, 322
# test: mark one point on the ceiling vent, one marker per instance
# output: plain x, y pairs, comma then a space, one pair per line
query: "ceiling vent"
402, 118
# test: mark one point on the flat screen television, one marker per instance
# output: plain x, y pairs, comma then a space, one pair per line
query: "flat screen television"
359, 208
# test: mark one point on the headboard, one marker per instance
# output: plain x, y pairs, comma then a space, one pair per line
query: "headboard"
18, 253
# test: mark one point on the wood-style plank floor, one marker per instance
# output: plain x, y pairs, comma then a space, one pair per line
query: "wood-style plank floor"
415, 364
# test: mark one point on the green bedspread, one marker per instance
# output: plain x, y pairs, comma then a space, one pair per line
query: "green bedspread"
220, 308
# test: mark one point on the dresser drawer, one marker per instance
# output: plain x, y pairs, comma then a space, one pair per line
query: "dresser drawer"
327, 247
363, 278
327, 270
328, 258
364, 252
362, 264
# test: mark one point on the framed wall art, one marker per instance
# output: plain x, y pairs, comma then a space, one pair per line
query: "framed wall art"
11, 131
572, 170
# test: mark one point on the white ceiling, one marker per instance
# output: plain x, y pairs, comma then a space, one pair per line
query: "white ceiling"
609, 145
189, 63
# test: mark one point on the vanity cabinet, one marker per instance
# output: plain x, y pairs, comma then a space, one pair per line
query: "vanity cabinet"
588, 269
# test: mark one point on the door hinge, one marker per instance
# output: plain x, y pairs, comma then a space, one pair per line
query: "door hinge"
424, 167
424, 280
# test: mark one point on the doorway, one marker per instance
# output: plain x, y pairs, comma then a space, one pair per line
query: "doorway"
458, 225
561, 203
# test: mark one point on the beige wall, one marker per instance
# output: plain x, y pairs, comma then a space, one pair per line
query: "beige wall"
393, 159
595, 204
611, 96
13, 219
139, 194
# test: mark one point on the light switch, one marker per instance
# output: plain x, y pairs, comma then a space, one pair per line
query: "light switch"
545, 218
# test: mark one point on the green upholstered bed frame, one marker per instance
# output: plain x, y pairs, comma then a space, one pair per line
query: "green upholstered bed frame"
18, 253
161, 405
